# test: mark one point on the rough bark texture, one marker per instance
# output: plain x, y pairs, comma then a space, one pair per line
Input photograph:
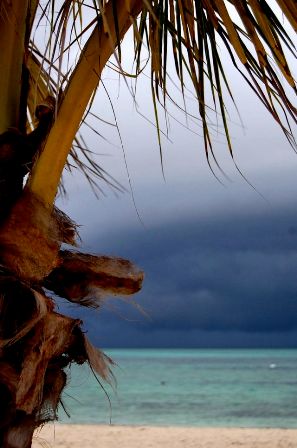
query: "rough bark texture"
31, 236
35, 350
36, 342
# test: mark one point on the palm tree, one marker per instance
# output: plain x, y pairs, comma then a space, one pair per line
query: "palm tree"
43, 101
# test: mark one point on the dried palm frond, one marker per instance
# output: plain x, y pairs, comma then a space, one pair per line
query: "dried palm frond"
41, 343
55, 342
87, 279
51, 338
98, 361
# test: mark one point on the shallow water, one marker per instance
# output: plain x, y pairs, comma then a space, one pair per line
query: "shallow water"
239, 388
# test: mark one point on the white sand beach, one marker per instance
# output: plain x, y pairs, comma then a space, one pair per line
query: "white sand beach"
93, 436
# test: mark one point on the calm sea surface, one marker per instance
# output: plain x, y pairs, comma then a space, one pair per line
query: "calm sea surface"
190, 387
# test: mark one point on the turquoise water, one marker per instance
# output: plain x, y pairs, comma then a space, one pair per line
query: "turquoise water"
240, 388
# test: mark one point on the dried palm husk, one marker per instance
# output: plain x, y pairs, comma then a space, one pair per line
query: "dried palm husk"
56, 340
86, 279
31, 236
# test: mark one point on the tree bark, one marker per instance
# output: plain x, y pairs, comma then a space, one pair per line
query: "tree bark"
13, 18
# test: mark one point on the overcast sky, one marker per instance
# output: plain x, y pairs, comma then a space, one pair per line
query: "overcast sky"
220, 259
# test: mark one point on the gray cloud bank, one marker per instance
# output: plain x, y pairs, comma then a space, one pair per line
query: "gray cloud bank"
222, 281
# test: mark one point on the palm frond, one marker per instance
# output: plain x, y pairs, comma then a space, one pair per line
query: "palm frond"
256, 42
254, 38
44, 80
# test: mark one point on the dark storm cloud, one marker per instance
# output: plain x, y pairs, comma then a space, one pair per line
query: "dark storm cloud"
211, 280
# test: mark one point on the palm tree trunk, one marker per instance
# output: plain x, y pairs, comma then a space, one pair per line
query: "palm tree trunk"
36, 342
13, 21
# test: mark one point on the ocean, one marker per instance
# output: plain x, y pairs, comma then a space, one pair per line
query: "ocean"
199, 387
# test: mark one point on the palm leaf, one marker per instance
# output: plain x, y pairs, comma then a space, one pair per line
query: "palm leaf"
256, 44
81, 157
251, 44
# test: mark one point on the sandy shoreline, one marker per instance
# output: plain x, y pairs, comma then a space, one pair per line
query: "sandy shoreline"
93, 436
